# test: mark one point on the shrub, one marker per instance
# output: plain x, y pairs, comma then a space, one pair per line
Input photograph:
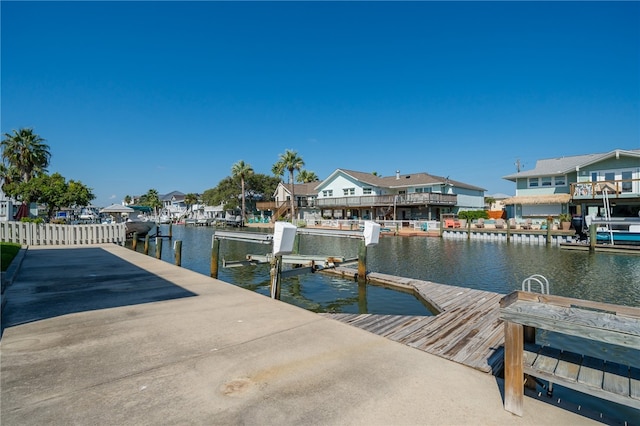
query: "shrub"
471, 215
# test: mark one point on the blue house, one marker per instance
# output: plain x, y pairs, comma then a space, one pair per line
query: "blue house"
579, 185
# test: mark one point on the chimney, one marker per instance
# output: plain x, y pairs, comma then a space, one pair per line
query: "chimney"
397, 174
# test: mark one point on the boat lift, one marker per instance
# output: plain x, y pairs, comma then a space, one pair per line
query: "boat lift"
283, 240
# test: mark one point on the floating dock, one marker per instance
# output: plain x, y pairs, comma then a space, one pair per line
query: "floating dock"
466, 330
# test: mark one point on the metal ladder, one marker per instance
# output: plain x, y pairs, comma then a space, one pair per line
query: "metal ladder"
536, 278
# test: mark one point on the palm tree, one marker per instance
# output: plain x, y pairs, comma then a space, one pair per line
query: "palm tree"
242, 170
290, 161
24, 156
305, 176
190, 199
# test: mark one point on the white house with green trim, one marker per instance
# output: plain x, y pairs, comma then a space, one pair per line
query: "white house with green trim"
349, 194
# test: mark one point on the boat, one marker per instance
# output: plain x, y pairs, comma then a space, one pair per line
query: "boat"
141, 227
139, 221
618, 231
612, 230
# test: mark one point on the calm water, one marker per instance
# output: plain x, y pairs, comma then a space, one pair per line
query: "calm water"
492, 266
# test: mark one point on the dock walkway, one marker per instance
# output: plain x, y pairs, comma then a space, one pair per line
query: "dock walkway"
467, 329
104, 335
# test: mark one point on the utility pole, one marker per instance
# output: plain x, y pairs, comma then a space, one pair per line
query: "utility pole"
518, 165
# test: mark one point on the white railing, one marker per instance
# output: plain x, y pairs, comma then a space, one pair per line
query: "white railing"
355, 224
33, 234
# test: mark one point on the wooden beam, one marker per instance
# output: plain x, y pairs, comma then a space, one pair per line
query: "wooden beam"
513, 369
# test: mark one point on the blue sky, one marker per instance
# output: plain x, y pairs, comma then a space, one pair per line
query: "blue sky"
169, 95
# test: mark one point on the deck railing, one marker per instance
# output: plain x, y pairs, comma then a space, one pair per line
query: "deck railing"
425, 198
34, 234
614, 188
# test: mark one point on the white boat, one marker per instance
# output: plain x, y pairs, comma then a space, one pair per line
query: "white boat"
163, 218
141, 227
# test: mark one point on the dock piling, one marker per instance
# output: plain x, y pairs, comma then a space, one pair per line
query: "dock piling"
177, 247
215, 252
158, 247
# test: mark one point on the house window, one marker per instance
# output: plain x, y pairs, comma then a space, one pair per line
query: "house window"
546, 181
349, 191
626, 185
534, 182
418, 190
327, 193
560, 181
366, 191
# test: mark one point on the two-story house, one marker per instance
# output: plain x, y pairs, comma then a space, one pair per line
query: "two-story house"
348, 194
305, 200
578, 185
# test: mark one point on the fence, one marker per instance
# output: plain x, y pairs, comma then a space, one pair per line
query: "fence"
33, 234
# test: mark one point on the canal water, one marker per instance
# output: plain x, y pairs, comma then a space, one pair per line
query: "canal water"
492, 266
486, 265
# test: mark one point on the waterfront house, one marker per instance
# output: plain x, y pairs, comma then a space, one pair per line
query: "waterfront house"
305, 201
174, 205
349, 194
578, 185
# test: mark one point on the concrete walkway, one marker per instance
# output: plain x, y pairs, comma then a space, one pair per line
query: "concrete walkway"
104, 335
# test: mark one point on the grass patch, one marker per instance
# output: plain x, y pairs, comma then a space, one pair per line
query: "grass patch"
7, 252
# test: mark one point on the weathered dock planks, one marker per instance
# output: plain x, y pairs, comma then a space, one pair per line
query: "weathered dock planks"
467, 330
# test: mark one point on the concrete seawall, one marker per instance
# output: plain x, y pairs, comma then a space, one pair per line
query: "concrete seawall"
104, 335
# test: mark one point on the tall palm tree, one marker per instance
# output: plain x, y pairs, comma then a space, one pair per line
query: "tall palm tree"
306, 176
190, 199
24, 155
242, 170
290, 161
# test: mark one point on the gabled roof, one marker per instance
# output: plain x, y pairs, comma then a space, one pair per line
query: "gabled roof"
301, 188
400, 181
177, 194
564, 165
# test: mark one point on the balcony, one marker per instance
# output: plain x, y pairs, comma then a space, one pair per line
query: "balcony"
628, 188
389, 200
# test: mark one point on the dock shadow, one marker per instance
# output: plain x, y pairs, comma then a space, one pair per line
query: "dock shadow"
51, 283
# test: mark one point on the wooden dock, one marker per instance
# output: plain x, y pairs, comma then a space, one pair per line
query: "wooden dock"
467, 330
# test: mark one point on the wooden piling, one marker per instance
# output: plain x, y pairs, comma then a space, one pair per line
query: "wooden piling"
549, 225
514, 374
158, 248
170, 230
178, 252
215, 252
508, 232
134, 243
362, 262
146, 244
362, 298
468, 229
275, 275
593, 237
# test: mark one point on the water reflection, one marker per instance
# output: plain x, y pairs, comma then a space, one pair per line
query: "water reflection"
492, 266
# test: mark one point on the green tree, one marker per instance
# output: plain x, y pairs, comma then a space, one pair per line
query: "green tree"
292, 162
306, 176
24, 156
55, 192
190, 199
127, 199
151, 199
242, 170
226, 192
